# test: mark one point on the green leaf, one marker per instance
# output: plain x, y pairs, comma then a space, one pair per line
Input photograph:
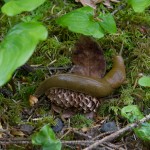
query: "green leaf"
6, 1
108, 23
144, 81
18, 46
46, 138
82, 21
14, 7
139, 5
132, 113
143, 132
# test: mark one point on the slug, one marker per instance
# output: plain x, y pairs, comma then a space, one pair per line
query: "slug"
93, 86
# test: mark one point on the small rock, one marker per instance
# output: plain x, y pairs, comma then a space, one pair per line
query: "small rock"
109, 126
26, 128
59, 125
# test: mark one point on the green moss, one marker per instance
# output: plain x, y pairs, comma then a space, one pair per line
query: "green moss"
80, 121
52, 52
24, 93
10, 110
141, 57
114, 105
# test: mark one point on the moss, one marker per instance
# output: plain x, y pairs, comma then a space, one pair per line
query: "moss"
24, 93
141, 57
80, 121
10, 111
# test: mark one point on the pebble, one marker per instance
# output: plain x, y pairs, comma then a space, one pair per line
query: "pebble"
109, 126
59, 125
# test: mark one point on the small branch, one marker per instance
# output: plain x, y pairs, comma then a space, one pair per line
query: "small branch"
27, 68
82, 142
118, 133
82, 134
7, 141
102, 135
118, 9
28, 141
79, 142
12, 83
51, 68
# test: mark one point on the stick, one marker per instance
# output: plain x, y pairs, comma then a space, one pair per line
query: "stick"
118, 133
84, 142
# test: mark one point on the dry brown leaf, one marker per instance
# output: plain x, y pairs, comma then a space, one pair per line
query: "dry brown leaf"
32, 100
92, 3
84, 129
16, 132
88, 58
64, 113
1, 133
115, 1
108, 4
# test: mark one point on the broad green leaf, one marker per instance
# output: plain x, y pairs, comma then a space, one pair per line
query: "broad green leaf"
18, 46
132, 113
144, 81
14, 7
139, 5
46, 138
108, 23
6, 1
143, 132
82, 21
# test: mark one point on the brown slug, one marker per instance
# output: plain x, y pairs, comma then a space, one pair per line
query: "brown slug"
93, 86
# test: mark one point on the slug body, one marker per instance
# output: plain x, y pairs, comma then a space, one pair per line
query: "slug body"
93, 86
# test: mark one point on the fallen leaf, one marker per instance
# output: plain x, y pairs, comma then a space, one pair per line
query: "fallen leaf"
92, 3
32, 100
88, 58
16, 132
85, 129
108, 4
1, 128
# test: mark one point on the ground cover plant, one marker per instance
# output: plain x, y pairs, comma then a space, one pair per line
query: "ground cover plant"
42, 34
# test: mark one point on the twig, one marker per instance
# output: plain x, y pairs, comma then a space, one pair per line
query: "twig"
14, 141
113, 145
81, 142
66, 133
119, 129
102, 135
6, 132
12, 83
27, 68
28, 141
119, 8
51, 68
82, 134
118, 133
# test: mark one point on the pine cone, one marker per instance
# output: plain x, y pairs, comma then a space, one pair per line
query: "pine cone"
77, 101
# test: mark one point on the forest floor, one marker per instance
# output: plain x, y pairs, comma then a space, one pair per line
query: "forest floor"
19, 120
